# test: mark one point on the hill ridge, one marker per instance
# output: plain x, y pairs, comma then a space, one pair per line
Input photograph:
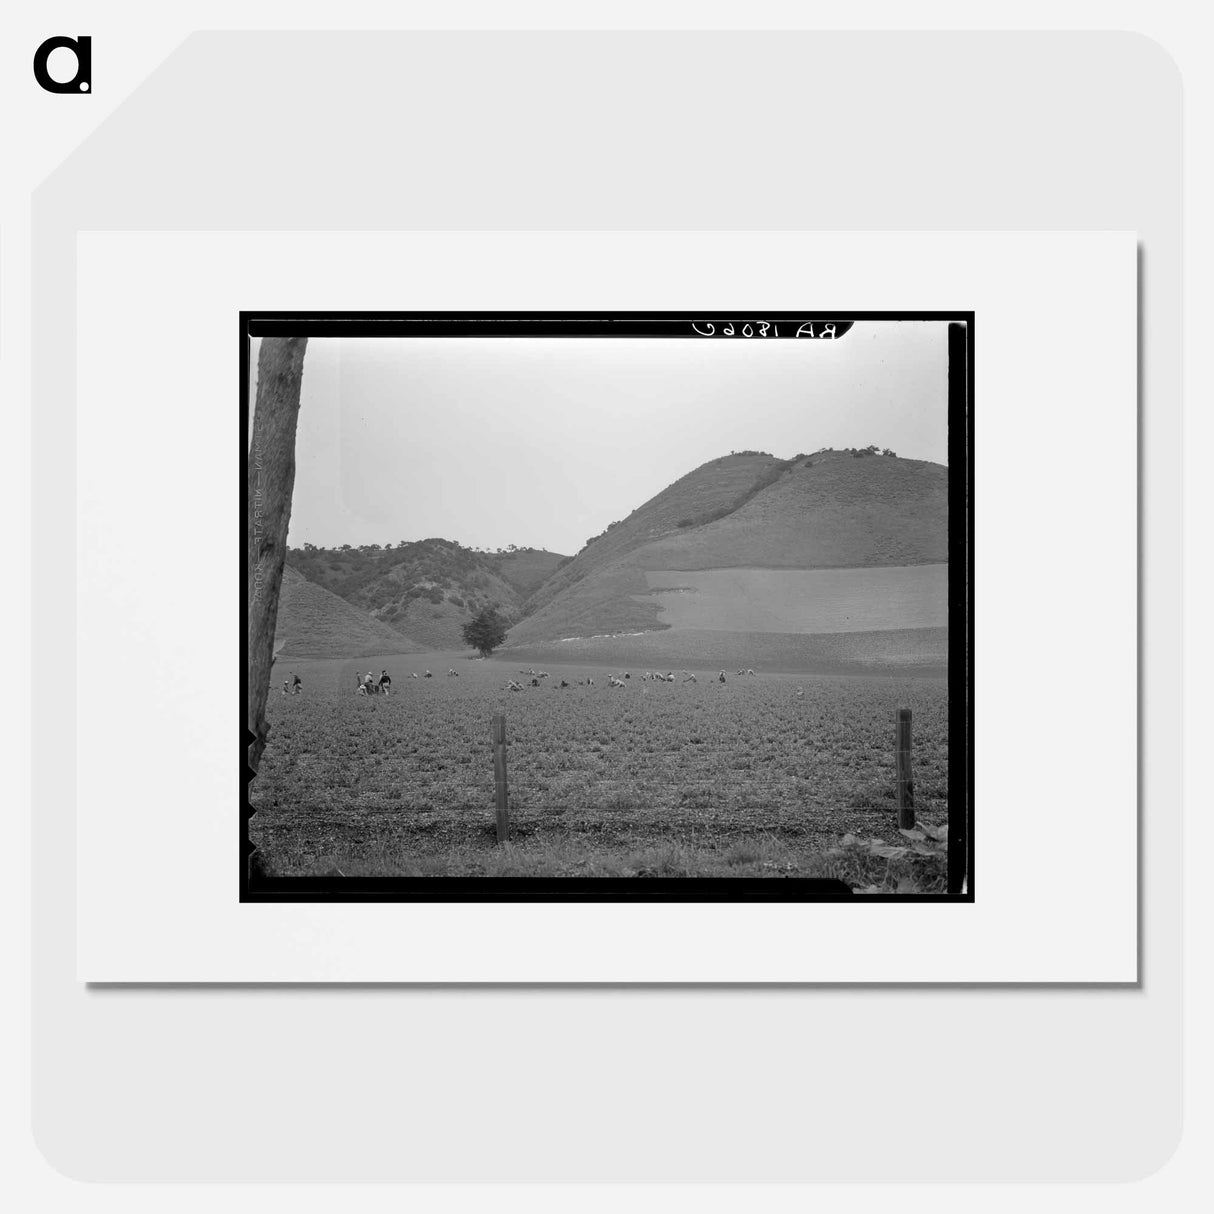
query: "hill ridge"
427, 590
314, 622
831, 509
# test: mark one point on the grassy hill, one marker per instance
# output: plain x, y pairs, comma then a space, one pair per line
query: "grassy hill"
527, 569
427, 590
830, 510
710, 491
315, 622
841, 510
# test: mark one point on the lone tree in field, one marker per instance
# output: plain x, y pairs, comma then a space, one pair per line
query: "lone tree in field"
486, 631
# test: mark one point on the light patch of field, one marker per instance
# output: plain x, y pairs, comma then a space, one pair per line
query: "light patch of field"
894, 652
802, 600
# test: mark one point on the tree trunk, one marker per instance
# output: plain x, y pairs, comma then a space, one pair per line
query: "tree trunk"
271, 483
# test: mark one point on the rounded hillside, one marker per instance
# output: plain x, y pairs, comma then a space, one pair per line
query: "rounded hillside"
831, 510
710, 491
315, 622
427, 589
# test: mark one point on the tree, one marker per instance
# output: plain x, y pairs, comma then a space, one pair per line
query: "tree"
271, 474
485, 631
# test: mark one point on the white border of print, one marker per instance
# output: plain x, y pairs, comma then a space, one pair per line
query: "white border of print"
1055, 604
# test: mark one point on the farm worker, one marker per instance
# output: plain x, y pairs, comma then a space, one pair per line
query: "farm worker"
296, 683
284, 687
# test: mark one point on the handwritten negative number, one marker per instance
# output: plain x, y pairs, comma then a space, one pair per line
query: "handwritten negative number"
761, 328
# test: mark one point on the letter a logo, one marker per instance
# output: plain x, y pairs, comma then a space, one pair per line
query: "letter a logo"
82, 81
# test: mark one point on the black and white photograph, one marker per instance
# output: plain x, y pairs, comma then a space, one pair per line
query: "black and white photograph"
621, 606
540, 517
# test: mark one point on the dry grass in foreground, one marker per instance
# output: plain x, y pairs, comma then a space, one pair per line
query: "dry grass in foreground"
917, 865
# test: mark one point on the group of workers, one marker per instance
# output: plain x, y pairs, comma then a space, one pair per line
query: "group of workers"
368, 684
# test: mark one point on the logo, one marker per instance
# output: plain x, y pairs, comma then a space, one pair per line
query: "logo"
82, 81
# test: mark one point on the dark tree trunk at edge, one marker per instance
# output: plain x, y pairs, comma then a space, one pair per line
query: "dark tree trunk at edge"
271, 483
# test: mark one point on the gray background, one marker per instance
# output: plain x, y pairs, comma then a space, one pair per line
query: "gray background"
565, 131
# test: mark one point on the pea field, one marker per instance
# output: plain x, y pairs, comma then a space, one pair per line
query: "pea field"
762, 775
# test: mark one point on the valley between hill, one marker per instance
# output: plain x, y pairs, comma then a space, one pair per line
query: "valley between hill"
832, 560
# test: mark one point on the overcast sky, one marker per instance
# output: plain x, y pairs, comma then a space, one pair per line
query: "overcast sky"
543, 442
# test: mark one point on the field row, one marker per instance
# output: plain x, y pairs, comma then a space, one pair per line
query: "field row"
699, 764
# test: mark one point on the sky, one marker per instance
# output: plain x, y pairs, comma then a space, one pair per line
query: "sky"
543, 442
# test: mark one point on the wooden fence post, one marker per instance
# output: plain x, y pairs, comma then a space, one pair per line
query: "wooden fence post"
906, 784
498, 733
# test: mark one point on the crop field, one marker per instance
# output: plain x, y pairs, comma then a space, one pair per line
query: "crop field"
908, 652
755, 776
